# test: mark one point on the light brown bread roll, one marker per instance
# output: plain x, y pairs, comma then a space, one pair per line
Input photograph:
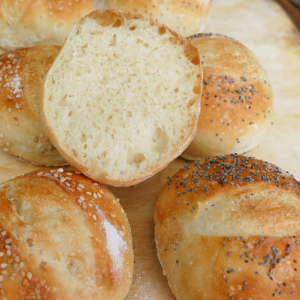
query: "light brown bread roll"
227, 228
62, 236
26, 23
237, 100
21, 130
122, 98
185, 17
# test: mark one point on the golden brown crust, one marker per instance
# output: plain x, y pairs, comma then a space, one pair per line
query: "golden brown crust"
227, 227
21, 130
184, 17
26, 23
237, 101
116, 17
63, 236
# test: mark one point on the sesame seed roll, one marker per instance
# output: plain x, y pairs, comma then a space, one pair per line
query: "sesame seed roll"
62, 236
228, 227
21, 129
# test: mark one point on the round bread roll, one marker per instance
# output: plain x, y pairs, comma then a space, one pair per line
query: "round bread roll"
122, 98
26, 23
185, 17
21, 130
237, 101
62, 236
228, 228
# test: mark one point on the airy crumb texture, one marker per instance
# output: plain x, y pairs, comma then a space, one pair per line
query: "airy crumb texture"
62, 236
26, 23
122, 99
237, 101
228, 227
21, 131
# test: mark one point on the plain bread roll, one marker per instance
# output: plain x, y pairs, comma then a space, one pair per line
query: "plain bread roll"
122, 98
25, 23
62, 236
185, 17
227, 228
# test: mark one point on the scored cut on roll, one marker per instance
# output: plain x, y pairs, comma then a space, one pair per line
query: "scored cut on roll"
26, 23
228, 227
21, 130
122, 98
185, 17
63, 236
237, 100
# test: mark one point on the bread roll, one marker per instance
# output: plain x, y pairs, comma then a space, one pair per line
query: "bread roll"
62, 236
25, 23
185, 17
122, 98
237, 100
228, 227
21, 129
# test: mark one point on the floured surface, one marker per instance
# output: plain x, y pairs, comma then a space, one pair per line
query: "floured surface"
265, 28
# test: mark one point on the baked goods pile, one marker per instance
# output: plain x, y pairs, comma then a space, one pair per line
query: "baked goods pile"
120, 99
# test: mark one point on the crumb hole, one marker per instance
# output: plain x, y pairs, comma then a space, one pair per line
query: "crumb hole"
138, 158
162, 30
117, 23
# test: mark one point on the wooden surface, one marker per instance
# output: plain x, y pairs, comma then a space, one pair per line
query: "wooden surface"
292, 9
264, 27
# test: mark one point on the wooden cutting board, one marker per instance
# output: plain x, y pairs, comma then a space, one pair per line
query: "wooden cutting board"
265, 28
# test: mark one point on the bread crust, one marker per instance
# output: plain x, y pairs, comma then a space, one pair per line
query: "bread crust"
184, 17
26, 23
237, 101
107, 18
228, 226
21, 129
63, 236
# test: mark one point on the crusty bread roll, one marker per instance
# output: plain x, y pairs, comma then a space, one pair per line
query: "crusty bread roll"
185, 17
21, 130
228, 227
62, 236
25, 23
122, 98
237, 101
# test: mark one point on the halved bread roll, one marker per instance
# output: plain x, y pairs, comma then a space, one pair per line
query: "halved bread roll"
62, 236
122, 98
21, 131
228, 227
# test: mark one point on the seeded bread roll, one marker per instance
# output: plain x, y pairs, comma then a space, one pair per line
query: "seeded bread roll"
122, 98
21, 130
228, 227
25, 23
185, 17
62, 236
237, 101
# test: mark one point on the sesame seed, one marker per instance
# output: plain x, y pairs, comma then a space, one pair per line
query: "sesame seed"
3, 265
60, 170
29, 275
